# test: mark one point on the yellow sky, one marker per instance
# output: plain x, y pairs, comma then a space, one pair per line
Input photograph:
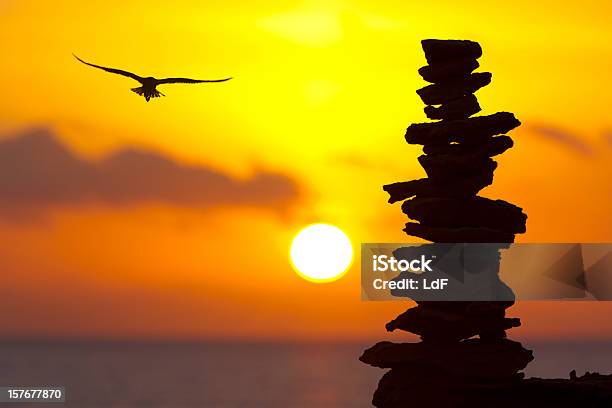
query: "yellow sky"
322, 92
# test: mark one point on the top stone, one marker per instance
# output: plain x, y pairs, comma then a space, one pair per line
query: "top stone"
445, 50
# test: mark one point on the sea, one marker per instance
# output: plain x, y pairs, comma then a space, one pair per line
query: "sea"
230, 374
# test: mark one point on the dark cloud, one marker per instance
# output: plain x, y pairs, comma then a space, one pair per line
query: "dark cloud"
570, 140
608, 136
38, 171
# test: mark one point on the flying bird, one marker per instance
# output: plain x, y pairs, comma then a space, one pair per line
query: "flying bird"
149, 84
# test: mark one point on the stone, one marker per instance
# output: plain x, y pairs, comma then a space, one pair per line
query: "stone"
406, 189
466, 212
437, 94
460, 108
441, 234
464, 187
485, 310
469, 359
445, 50
439, 325
446, 168
489, 147
471, 130
448, 71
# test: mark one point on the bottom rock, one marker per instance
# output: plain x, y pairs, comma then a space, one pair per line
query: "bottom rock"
404, 388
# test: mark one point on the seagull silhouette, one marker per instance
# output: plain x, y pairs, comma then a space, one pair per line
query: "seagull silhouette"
149, 84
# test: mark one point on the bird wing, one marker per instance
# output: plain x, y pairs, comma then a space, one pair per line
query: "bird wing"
188, 80
111, 70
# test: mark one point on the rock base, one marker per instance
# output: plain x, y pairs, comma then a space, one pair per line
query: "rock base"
402, 389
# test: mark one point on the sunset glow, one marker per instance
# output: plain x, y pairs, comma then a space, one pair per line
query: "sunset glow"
166, 210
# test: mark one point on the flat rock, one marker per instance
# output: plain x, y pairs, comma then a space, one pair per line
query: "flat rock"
488, 147
445, 50
441, 234
406, 189
486, 310
466, 212
445, 92
461, 108
463, 187
473, 358
449, 168
448, 71
465, 130
443, 326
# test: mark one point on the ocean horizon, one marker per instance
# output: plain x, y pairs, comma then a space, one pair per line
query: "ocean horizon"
178, 374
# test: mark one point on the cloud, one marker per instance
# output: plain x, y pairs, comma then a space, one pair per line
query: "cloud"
568, 139
608, 136
36, 171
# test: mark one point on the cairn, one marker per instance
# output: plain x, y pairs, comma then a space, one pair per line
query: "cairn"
450, 366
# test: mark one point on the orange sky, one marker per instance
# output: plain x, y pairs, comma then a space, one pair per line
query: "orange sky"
323, 91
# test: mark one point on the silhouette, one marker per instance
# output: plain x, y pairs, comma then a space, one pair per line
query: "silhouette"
450, 368
149, 84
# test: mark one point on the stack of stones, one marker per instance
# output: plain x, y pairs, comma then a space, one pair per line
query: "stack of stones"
451, 367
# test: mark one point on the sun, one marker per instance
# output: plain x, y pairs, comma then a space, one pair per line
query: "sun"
321, 253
